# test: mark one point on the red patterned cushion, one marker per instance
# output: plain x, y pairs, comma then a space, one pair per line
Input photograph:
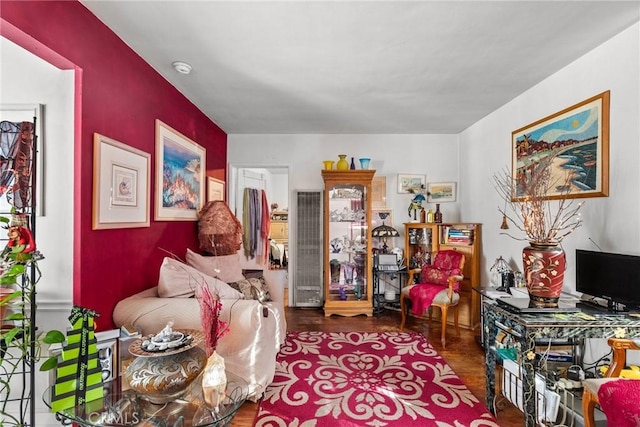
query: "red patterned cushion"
447, 260
434, 275
445, 265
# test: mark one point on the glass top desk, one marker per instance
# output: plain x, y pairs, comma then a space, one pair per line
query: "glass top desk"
526, 329
121, 407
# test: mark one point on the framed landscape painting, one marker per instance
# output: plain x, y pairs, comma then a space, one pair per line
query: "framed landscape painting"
438, 192
180, 177
574, 143
411, 183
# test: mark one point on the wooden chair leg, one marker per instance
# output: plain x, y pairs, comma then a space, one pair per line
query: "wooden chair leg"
443, 322
456, 313
403, 311
588, 406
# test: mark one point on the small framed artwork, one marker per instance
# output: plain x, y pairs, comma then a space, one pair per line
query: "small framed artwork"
215, 189
121, 184
438, 192
180, 178
380, 216
108, 357
411, 183
379, 192
576, 140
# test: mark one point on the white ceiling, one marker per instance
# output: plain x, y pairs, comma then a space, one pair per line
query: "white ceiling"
359, 66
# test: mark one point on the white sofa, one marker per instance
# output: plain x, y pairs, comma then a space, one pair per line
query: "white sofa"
249, 348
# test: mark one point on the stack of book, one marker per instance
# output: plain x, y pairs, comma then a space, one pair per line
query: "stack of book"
458, 236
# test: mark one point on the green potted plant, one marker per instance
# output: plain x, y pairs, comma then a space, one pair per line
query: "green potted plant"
20, 343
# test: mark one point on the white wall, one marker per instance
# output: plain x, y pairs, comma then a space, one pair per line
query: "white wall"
612, 222
435, 156
474, 156
26, 79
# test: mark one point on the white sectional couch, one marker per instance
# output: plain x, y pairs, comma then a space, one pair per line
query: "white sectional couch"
257, 329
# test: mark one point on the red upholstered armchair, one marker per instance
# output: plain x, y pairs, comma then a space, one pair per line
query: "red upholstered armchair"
617, 397
438, 286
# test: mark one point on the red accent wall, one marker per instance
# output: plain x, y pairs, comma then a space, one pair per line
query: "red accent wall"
120, 96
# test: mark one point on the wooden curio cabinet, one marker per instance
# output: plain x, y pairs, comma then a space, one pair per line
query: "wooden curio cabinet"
348, 285
420, 242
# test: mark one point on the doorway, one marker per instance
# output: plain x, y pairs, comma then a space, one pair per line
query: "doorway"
274, 180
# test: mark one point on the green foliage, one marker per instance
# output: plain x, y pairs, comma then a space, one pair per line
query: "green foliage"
54, 337
19, 271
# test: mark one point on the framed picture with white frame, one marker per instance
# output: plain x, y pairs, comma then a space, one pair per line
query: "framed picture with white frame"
411, 183
438, 192
121, 183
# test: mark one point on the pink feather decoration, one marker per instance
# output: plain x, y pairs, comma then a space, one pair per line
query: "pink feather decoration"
212, 326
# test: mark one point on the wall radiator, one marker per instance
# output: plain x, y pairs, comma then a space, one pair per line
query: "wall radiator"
308, 273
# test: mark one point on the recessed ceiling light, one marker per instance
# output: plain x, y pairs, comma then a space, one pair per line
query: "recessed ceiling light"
182, 67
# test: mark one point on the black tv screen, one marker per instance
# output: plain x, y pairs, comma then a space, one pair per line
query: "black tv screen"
615, 277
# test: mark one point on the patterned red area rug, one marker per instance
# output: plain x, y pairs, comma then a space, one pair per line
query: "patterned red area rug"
366, 379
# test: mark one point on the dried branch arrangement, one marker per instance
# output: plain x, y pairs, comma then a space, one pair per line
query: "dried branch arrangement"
540, 219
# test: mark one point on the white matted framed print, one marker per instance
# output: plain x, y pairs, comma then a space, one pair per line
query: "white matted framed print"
438, 192
411, 183
215, 189
180, 178
381, 216
121, 185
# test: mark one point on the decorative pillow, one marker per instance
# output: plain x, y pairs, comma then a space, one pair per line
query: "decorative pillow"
434, 275
179, 280
226, 268
439, 276
253, 288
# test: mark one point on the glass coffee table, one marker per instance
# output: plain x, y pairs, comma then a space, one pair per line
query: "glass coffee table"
120, 407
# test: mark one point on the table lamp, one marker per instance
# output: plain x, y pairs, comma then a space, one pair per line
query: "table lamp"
383, 232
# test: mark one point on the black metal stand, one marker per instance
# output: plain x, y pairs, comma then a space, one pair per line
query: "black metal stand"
379, 301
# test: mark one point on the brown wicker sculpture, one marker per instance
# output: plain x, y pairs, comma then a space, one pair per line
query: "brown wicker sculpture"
219, 231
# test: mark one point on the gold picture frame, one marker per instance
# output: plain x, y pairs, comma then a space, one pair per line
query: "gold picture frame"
578, 139
121, 185
180, 173
215, 189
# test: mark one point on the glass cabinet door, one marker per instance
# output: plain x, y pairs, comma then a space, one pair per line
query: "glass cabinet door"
348, 287
347, 243
420, 243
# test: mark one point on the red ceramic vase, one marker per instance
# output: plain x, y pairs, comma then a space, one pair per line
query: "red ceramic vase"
544, 265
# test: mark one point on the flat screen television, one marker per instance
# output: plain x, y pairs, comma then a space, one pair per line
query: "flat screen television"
613, 277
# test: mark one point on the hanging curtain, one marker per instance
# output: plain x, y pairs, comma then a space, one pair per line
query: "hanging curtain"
265, 228
250, 224
16, 142
255, 224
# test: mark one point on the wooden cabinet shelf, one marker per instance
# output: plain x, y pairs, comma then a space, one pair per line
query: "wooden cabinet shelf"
422, 240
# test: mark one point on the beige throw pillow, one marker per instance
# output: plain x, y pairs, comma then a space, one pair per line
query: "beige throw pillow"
226, 268
253, 288
178, 280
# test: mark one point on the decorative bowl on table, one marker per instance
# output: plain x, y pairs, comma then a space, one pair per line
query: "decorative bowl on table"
161, 372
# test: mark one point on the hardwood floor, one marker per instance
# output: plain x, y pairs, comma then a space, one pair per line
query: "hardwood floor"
463, 353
